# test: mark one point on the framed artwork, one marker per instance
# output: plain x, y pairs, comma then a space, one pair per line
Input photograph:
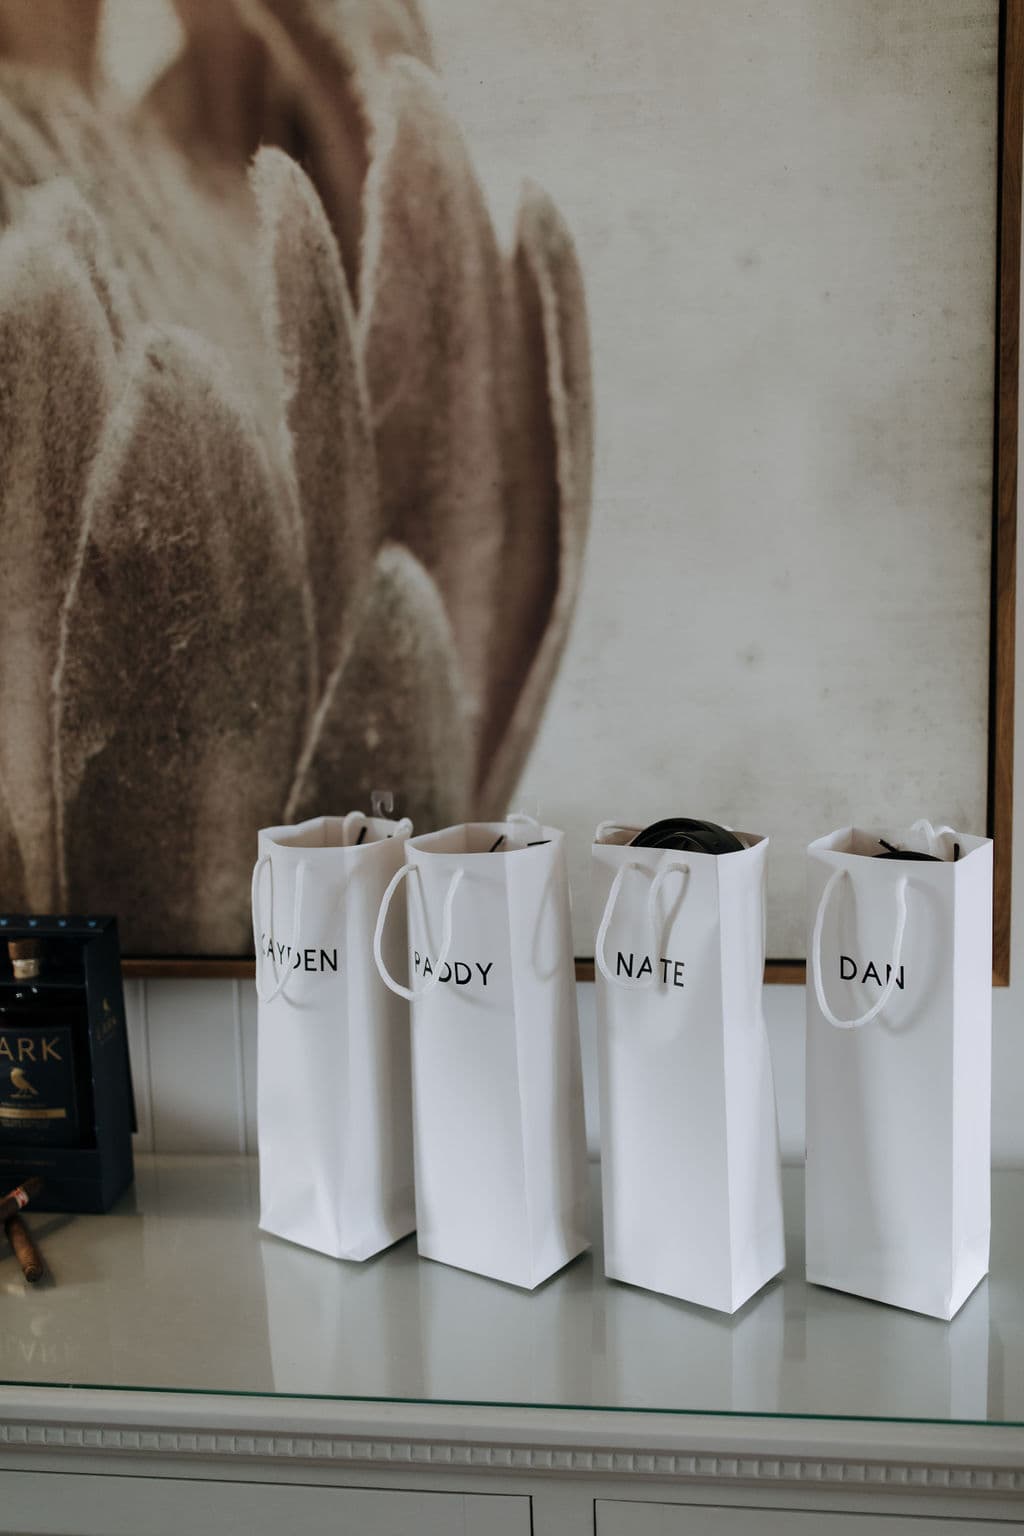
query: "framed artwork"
607, 412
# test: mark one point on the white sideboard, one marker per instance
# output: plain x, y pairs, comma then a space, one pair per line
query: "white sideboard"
184, 1371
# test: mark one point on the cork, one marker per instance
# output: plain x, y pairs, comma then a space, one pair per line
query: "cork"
24, 955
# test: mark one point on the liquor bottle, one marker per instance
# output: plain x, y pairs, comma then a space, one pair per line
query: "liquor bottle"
45, 1064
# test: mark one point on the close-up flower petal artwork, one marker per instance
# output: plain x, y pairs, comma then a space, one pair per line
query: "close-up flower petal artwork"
294, 458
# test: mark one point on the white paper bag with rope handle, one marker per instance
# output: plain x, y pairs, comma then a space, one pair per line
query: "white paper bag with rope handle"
334, 1119
691, 1184
500, 1147
899, 1000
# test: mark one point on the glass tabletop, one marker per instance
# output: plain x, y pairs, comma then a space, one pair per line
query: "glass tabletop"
176, 1289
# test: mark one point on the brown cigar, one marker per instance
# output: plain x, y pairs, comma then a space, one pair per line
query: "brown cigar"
18, 1198
25, 1250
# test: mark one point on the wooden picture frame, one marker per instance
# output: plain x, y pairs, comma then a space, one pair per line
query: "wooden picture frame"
1004, 510
1004, 537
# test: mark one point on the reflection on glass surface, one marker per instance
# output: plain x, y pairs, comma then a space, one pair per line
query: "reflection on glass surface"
178, 1289
914, 1365
158, 1293
487, 1341
199, 1309
40, 1340
658, 1351
1005, 1288
333, 1322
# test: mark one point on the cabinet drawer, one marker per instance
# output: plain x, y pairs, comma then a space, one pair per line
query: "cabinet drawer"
616, 1518
73, 1504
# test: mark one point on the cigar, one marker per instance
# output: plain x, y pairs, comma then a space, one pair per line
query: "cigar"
25, 1250
18, 1198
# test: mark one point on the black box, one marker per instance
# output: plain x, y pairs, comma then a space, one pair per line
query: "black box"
85, 954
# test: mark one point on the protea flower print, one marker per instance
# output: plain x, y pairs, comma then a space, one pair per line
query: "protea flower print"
294, 459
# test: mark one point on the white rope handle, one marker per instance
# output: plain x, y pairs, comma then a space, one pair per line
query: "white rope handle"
410, 994
525, 822
360, 819
932, 833
604, 827
349, 824
673, 867
258, 929
894, 968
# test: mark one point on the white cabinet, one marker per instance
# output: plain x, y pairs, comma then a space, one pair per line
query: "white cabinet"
34, 1504
615, 1518
93, 1463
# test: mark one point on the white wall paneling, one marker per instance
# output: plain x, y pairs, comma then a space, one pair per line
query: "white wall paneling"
247, 1013
193, 1046
194, 1065
138, 1045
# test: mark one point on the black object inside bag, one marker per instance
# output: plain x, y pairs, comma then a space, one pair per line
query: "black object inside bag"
690, 835
889, 852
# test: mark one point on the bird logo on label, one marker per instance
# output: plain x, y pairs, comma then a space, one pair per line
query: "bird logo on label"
22, 1083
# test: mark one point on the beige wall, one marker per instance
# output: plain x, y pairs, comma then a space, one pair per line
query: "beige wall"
785, 213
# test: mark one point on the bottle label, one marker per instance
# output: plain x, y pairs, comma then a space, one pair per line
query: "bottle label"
37, 1085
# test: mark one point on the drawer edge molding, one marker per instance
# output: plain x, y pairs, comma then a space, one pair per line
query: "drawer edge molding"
76, 1424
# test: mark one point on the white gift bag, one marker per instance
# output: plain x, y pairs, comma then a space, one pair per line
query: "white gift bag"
899, 1002
334, 1121
690, 1174
500, 1148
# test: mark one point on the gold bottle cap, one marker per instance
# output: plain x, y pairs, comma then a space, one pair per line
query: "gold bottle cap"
24, 955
